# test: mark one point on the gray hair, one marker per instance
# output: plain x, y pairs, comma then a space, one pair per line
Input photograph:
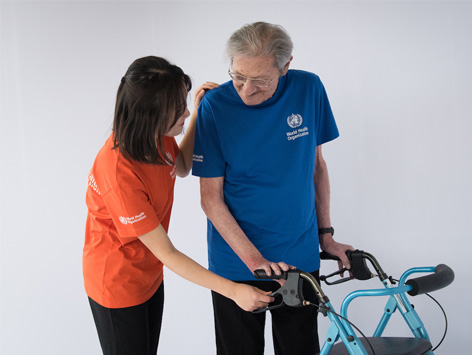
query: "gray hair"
261, 39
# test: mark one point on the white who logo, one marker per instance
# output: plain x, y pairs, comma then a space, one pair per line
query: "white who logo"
294, 120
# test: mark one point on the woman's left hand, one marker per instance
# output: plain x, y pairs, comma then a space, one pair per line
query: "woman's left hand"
201, 90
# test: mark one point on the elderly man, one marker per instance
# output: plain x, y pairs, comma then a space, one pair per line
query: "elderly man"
264, 184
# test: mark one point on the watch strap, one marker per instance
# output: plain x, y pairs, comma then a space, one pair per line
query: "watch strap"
329, 230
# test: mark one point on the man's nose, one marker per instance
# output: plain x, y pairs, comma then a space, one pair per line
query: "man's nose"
249, 88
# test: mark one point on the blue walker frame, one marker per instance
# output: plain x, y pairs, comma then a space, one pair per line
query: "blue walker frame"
340, 329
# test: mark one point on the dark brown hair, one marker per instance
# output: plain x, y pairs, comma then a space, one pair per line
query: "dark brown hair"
152, 96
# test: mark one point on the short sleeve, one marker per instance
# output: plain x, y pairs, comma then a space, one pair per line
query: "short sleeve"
130, 208
327, 129
208, 159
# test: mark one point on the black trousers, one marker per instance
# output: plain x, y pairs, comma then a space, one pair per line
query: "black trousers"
131, 330
294, 329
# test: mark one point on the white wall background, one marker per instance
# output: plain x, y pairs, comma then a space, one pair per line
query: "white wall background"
398, 74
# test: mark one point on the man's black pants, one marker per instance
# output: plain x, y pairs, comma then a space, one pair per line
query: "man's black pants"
294, 329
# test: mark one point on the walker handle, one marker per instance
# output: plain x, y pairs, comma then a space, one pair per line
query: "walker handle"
442, 277
327, 256
359, 268
261, 274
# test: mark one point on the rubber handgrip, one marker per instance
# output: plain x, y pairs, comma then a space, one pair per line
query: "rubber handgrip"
261, 274
442, 277
327, 256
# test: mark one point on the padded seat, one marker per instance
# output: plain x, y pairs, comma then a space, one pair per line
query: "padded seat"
389, 346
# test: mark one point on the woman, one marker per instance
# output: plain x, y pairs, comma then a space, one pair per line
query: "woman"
129, 202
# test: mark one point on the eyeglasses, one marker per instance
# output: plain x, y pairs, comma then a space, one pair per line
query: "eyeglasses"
260, 83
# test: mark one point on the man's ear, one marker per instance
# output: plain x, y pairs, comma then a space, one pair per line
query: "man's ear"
285, 70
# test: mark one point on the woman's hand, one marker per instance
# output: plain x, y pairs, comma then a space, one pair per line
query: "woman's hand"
183, 161
251, 298
201, 90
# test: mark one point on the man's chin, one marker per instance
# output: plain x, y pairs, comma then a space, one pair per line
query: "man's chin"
252, 101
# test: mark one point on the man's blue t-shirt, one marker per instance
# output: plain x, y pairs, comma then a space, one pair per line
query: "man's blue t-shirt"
266, 154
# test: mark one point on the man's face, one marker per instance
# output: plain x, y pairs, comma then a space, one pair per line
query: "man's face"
255, 68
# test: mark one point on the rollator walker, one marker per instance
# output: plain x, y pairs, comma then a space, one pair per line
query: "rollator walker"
341, 338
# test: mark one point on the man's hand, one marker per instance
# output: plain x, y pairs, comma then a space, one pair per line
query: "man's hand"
271, 267
329, 245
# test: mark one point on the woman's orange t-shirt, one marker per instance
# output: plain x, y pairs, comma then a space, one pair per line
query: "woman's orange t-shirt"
125, 199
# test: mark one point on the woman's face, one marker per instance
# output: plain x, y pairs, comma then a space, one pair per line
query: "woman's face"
178, 127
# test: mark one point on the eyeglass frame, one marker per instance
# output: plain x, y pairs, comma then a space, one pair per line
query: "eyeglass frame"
230, 73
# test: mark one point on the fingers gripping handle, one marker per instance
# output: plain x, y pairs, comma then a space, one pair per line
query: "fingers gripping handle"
359, 268
442, 277
261, 274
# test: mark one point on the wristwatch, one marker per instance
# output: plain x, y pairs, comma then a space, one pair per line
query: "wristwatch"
326, 230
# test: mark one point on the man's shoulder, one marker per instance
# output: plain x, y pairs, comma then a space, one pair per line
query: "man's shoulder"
222, 92
304, 75
305, 80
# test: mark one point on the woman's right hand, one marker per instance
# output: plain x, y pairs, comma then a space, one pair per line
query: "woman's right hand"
251, 298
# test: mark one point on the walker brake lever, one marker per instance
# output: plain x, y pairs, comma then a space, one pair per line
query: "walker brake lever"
271, 305
326, 256
339, 281
358, 270
291, 291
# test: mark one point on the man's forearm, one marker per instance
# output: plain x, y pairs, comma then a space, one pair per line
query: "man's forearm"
322, 196
219, 214
217, 211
